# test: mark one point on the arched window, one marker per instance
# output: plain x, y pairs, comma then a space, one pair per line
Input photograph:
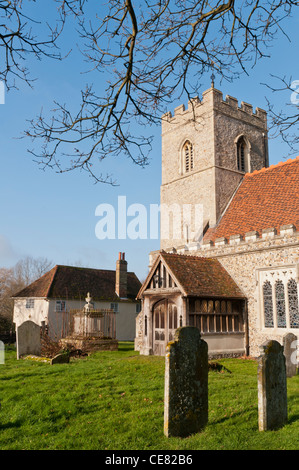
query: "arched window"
293, 303
243, 155
280, 304
280, 298
188, 157
268, 304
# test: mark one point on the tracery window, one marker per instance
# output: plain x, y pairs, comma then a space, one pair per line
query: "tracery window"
268, 304
279, 290
293, 303
280, 304
188, 157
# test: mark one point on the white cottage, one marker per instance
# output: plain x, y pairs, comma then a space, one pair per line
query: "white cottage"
49, 299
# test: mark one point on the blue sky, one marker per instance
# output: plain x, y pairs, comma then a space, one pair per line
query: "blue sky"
52, 215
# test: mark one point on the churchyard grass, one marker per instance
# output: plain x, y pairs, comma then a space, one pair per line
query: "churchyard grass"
114, 401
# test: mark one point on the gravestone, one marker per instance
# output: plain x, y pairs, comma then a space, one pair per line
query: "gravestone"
272, 387
186, 383
2, 352
28, 339
61, 358
290, 353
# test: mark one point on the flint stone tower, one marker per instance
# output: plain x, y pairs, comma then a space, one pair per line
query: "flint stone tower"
206, 150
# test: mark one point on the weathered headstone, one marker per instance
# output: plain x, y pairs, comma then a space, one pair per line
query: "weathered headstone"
61, 358
272, 387
186, 383
2, 352
290, 353
28, 339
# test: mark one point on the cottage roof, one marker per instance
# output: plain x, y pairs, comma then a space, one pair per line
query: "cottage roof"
268, 198
69, 282
196, 276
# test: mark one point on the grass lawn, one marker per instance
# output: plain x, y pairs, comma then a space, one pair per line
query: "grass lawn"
114, 401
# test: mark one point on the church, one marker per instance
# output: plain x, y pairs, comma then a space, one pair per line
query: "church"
233, 272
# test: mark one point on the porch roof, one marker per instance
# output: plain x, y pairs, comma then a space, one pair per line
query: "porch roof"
196, 276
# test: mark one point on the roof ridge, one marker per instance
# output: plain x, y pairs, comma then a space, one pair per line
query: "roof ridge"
91, 269
272, 167
182, 255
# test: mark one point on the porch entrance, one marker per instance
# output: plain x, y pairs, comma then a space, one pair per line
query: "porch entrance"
165, 322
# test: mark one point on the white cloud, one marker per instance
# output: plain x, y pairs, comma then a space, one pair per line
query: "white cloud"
8, 256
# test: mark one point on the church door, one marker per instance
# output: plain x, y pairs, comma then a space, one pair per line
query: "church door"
165, 320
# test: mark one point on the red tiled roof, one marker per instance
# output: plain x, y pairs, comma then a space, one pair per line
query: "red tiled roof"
265, 199
198, 276
68, 282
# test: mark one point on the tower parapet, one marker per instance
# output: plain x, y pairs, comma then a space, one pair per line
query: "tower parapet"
212, 96
207, 147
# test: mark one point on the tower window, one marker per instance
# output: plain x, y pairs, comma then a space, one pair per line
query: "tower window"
243, 155
188, 158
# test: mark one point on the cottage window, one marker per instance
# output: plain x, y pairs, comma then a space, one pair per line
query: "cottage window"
114, 306
29, 303
60, 306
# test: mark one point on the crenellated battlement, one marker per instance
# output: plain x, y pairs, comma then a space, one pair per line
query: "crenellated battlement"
214, 98
238, 243
266, 234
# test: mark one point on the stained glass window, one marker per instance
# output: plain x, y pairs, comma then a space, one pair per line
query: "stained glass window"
268, 304
293, 303
280, 304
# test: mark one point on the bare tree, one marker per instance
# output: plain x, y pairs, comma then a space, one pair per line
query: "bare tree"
285, 123
21, 36
12, 280
151, 52
29, 269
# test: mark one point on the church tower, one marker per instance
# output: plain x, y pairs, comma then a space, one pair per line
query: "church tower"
206, 150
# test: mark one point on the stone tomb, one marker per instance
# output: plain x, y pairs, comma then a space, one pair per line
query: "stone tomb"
272, 387
186, 383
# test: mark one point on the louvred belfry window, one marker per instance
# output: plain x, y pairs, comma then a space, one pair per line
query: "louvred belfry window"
188, 156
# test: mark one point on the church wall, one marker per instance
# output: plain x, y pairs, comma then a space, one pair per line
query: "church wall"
242, 261
195, 189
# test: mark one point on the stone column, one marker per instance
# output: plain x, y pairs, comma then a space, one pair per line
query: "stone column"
186, 383
272, 387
